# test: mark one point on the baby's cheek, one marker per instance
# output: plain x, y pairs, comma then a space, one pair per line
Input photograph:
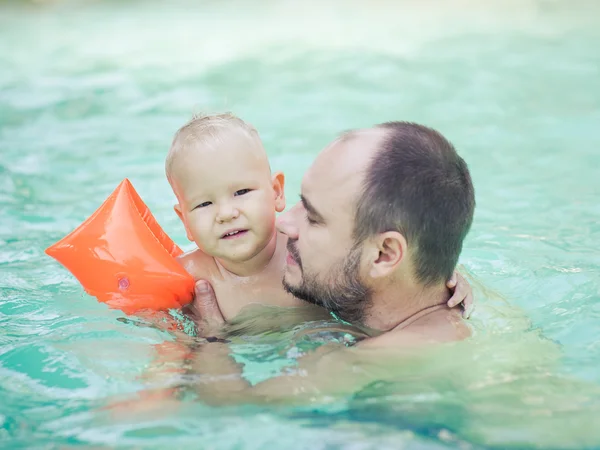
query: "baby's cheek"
261, 208
268, 217
204, 233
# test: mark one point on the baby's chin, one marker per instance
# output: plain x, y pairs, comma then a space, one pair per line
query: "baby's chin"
243, 252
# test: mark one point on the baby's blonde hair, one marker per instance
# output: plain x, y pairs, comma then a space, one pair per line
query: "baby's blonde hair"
205, 129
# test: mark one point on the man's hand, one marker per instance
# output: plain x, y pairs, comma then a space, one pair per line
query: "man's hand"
462, 293
205, 310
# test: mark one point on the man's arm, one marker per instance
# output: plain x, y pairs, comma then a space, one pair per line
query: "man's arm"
325, 374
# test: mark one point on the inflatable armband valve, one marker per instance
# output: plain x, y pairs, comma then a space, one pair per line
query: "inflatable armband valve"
122, 256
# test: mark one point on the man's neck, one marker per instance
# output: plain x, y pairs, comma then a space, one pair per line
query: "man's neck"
257, 264
395, 304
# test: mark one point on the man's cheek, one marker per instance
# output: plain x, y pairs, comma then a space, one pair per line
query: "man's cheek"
306, 252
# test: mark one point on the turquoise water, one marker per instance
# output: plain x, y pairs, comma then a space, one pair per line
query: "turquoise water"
91, 93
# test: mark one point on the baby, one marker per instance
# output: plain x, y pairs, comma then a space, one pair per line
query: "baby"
227, 199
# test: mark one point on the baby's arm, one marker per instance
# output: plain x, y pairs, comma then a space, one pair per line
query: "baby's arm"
198, 264
201, 267
462, 293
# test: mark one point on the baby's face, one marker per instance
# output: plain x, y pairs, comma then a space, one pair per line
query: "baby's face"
228, 198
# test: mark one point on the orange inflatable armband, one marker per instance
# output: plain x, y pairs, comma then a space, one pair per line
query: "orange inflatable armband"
122, 256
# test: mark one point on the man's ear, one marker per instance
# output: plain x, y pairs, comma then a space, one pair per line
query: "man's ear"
179, 213
278, 187
388, 251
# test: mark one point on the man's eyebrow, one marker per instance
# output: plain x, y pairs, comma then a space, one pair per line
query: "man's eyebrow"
309, 207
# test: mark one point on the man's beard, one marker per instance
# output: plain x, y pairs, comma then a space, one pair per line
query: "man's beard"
340, 291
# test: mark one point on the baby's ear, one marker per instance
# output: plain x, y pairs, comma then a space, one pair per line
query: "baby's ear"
278, 188
179, 213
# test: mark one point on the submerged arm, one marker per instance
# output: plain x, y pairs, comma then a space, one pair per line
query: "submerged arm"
331, 370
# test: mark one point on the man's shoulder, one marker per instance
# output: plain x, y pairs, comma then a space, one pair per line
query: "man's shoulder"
436, 328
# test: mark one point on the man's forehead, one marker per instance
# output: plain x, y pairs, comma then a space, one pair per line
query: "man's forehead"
339, 169
347, 156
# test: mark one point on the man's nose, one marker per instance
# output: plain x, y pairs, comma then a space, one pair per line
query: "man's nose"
287, 225
227, 213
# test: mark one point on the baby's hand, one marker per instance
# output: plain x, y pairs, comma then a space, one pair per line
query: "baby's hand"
461, 293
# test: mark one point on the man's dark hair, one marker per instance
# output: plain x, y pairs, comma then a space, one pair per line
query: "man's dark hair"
418, 185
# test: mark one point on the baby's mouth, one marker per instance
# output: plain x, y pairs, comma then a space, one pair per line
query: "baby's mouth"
234, 234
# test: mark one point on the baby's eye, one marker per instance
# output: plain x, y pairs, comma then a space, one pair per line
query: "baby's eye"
242, 192
203, 205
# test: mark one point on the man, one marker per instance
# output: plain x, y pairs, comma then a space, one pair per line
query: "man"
376, 235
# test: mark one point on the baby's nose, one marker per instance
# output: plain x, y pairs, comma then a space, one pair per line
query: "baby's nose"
227, 213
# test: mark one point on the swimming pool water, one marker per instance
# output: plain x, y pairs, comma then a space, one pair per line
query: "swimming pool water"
92, 92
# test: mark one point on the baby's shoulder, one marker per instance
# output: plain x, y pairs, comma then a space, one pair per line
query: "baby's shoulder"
199, 264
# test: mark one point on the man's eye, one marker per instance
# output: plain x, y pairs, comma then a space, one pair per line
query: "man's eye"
242, 191
311, 221
203, 205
